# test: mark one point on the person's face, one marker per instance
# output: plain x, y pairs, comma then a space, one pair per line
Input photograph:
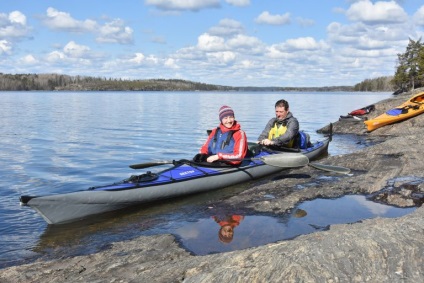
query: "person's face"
281, 112
228, 121
227, 232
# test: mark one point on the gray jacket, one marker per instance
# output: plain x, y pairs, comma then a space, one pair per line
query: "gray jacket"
292, 130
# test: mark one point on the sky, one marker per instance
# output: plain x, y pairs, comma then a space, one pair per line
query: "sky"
284, 43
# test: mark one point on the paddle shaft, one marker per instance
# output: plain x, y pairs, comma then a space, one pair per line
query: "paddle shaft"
284, 160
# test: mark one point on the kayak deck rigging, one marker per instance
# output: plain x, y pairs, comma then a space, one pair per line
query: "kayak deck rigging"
181, 171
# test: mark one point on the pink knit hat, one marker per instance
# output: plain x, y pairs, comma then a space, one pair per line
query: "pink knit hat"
225, 111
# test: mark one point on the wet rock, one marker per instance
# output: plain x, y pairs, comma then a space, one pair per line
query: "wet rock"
376, 250
299, 213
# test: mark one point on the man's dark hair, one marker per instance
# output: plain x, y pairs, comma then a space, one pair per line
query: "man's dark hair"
282, 103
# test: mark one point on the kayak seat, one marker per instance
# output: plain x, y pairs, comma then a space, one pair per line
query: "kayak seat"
403, 110
397, 111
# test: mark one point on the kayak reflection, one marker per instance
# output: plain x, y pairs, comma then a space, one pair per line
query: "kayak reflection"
228, 223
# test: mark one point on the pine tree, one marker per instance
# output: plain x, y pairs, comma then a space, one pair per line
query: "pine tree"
410, 68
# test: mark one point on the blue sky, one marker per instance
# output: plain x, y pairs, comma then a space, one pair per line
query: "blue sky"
227, 42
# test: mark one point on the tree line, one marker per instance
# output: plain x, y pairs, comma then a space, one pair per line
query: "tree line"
376, 84
58, 82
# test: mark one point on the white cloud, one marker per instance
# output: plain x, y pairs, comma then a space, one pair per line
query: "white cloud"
5, 47
239, 3
419, 16
276, 51
171, 63
357, 35
115, 32
17, 17
376, 13
227, 27
305, 43
74, 50
224, 57
55, 56
58, 20
152, 59
249, 44
247, 64
193, 5
110, 32
28, 60
138, 59
367, 43
13, 26
267, 18
207, 42
339, 33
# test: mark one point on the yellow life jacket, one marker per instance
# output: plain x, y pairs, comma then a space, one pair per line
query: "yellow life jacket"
277, 131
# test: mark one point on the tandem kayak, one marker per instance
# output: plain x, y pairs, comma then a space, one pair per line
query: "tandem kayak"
183, 178
410, 108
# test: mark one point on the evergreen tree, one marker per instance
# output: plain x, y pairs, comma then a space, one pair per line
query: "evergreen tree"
410, 68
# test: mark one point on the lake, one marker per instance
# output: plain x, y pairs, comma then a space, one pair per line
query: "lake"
55, 142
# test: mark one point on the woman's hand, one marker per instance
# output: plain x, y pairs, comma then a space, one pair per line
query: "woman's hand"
212, 158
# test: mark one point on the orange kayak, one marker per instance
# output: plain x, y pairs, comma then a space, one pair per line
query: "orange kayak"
410, 108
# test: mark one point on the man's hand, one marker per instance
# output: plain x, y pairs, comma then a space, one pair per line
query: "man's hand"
266, 142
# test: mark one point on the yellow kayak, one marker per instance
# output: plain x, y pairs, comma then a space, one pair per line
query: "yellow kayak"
410, 108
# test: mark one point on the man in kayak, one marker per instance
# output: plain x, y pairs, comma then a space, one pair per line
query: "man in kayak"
227, 143
281, 131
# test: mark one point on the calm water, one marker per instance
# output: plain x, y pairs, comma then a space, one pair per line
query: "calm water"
55, 142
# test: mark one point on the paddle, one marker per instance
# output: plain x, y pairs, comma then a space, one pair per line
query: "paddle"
150, 164
283, 160
330, 168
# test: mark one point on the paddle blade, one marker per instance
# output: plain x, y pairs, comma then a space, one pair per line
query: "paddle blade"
330, 168
150, 164
285, 160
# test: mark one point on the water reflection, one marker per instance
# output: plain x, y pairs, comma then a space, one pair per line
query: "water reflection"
200, 238
227, 223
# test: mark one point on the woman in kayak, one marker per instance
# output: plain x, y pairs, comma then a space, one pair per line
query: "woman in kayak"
226, 232
281, 131
227, 143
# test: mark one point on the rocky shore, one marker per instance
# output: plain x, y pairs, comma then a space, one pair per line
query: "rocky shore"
375, 250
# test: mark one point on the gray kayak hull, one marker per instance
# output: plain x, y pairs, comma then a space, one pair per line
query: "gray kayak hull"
69, 207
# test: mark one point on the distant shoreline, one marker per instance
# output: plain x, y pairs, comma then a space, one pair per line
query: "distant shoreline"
58, 82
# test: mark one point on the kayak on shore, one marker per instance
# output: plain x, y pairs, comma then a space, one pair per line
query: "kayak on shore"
183, 178
354, 115
410, 108
352, 118
363, 111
